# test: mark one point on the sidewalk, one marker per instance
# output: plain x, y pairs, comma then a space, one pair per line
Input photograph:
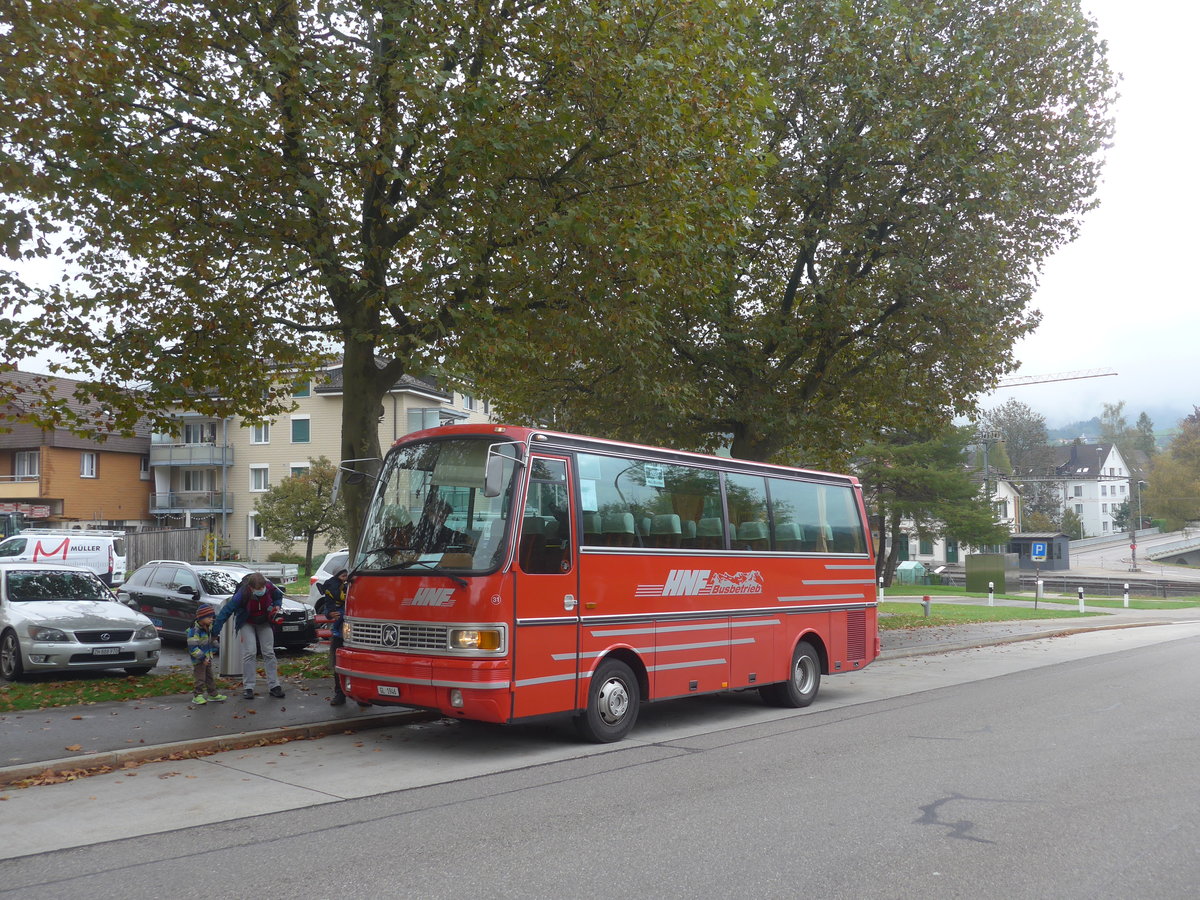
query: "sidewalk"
76, 738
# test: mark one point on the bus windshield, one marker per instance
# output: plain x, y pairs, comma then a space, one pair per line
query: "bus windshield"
429, 510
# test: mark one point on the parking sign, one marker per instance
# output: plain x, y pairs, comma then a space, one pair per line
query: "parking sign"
1037, 551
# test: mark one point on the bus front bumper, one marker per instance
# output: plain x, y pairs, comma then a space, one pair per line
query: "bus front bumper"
469, 688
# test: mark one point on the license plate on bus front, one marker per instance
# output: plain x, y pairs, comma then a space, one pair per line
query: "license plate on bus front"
386, 690
105, 651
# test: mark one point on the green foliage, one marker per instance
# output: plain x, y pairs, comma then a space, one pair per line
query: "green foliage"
1173, 495
243, 185
923, 159
1024, 434
300, 507
1071, 525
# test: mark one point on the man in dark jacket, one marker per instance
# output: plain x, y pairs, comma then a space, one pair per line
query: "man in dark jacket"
333, 604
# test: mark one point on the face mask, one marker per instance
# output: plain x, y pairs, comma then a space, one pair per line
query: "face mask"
260, 592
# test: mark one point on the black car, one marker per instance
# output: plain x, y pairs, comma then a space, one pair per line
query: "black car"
169, 591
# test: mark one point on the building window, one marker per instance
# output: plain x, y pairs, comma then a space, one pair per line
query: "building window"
926, 548
1104, 490
299, 469
1122, 489
1104, 525
1079, 509
1103, 507
200, 433
199, 480
300, 429
260, 479
255, 529
144, 467
420, 419
300, 389
261, 434
25, 466
1079, 490
87, 465
468, 401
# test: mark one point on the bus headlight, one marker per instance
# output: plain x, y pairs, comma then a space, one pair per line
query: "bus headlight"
476, 639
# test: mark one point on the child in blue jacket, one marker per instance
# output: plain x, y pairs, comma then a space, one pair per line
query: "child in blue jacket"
202, 647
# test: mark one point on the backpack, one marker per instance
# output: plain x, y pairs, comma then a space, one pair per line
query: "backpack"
258, 609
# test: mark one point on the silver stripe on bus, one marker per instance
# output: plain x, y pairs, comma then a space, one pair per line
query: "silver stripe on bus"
557, 620
647, 651
839, 581
688, 665
548, 679
708, 626
858, 601
848, 566
823, 607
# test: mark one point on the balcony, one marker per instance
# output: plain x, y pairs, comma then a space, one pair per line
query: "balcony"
200, 502
20, 487
194, 455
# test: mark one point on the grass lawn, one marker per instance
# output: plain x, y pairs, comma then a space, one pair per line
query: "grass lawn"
906, 614
935, 591
81, 688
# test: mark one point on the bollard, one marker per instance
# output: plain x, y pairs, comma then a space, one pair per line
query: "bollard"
991, 593
881, 588
1081, 599
1127, 595
1038, 590
925, 603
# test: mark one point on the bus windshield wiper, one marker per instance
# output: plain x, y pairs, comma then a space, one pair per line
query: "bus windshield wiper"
432, 567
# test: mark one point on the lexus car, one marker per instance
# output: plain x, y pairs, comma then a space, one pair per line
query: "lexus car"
64, 618
169, 591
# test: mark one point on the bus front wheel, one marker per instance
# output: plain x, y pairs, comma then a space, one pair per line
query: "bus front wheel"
612, 706
804, 679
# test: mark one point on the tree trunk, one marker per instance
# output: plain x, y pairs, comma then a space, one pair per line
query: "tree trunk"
364, 385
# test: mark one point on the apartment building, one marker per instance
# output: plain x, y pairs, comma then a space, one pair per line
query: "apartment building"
210, 471
55, 478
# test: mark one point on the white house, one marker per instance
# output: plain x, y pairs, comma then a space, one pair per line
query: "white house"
1095, 482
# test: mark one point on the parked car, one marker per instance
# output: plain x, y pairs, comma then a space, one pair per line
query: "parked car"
168, 591
55, 617
333, 563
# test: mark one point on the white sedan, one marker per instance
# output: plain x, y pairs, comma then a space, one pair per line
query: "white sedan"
64, 618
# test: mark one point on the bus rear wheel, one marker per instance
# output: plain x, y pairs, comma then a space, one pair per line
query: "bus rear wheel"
612, 706
803, 682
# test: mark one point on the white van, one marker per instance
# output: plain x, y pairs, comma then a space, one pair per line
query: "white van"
101, 551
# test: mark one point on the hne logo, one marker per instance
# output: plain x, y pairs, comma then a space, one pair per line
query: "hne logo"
431, 597
681, 582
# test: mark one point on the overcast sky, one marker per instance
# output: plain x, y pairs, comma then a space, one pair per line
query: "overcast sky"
1119, 298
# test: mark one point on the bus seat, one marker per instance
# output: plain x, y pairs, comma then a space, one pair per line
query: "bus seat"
593, 530
618, 529
534, 534
665, 531
689, 533
752, 536
788, 536
710, 533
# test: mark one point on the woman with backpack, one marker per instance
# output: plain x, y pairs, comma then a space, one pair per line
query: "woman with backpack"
254, 606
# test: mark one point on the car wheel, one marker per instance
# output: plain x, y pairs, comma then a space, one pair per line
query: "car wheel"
11, 668
612, 705
801, 687
137, 670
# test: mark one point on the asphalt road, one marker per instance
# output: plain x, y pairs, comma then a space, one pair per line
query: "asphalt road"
1060, 767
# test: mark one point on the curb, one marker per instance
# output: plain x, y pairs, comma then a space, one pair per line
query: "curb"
98, 763
947, 646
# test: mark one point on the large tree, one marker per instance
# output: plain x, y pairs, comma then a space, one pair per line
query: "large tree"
1174, 489
1024, 435
924, 158
234, 187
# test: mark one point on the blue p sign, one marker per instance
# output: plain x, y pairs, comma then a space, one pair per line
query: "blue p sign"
1037, 551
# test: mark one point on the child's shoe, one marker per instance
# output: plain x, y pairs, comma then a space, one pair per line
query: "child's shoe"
199, 700
216, 698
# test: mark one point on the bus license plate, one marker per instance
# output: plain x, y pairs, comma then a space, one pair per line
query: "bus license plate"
387, 690
105, 651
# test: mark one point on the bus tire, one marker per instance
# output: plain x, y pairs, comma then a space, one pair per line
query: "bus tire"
801, 687
612, 704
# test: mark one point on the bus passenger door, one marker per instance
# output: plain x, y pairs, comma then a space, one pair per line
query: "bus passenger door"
546, 634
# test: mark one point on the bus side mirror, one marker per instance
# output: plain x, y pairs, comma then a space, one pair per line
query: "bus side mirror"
347, 475
493, 481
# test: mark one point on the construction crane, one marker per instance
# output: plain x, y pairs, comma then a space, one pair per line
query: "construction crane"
1020, 380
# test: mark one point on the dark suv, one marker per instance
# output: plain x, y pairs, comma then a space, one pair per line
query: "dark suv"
168, 591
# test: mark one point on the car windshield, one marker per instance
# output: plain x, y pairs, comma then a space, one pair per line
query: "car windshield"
26, 586
218, 581
429, 510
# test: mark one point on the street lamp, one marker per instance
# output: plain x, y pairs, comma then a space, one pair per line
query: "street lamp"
1133, 567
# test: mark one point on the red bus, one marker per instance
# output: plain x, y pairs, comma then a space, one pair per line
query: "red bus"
505, 573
